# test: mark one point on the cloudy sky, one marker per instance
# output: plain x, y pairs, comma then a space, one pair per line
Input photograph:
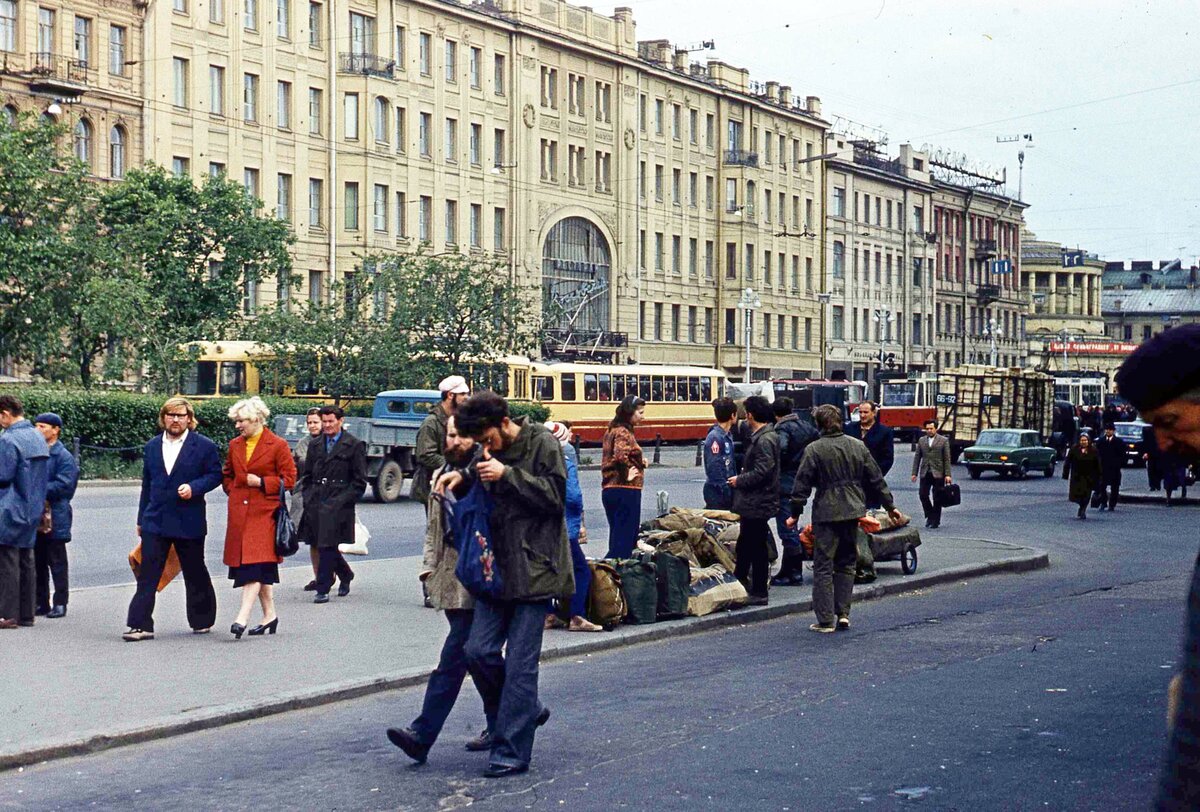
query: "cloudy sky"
1109, 90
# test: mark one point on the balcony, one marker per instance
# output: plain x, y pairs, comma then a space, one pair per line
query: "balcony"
58, 75
988, 294
738, 157
367, 65
985, 249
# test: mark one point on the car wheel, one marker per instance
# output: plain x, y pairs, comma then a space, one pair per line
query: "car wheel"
1023, 469
974, 472
1049, 471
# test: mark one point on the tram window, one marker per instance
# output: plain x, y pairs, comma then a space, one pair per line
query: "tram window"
589, 386
694, 389
605, 386
644, 388
199, 379
399, 406
520, 384
543, 387
568, 386
669, 388
631, 386
656, 388
618, 389
233, 377
705, 389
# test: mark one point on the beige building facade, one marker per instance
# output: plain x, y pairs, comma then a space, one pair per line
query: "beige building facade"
879, 261
635, 192
1065, 293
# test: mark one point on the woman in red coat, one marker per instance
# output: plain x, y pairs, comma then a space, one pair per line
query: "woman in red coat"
259, 465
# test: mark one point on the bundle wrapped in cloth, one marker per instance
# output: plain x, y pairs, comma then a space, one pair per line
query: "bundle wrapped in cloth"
713, 589
880, 517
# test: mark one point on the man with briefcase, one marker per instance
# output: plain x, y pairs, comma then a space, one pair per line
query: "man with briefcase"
932, 465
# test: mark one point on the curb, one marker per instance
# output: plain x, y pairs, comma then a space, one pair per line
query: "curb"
633, 635
1156, 499
107, 483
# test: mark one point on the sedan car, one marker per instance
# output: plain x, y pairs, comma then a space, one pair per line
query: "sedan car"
1009, 451
1131, 435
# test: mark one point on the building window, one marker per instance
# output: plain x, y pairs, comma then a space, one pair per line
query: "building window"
314, 110
451, 151
283, 19
83, 142
8, 26
45, 32
283, 197
549, 87
314, 286
401, 130
549, 160
179, 166
180, 6
350, 110
658, 321
498, 148
659, 251
642, 112
498, 74
659, 115
658, 183
424, 46
708, 259
250, 98
380, 120
380, 212
731, 260
473, 147
424, 136
314, 25
250, 21
474, 72
362, 34
216, 169
316, 202
283, 105
425, 219
117, 38
838, 328
351, 207
451, 61
452, 222
839, 202
676, 255
603, 171
216, 90
476, 225
693, 126
179, 84
575, 94
839, 260
498, 238
249, 181
603, 101
730, 326
116, 152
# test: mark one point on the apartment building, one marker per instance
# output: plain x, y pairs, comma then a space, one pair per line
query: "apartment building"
78, 63
981, 302
1065, 294
879, 260
635, 193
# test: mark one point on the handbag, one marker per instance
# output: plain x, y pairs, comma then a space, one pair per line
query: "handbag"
947, 495
1097, 499
287, 540
476, 568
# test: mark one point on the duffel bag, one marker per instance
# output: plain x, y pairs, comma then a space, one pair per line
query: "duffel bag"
713, 589
639, 583
606, 602
674, 582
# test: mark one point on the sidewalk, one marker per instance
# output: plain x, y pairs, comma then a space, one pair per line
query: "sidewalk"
72, 686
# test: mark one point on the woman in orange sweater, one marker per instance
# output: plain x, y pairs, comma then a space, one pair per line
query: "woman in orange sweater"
622, 470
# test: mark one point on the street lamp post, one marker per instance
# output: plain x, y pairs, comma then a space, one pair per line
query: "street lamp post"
885, 318
748, 304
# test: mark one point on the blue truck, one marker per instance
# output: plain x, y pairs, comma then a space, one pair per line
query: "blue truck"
390, 434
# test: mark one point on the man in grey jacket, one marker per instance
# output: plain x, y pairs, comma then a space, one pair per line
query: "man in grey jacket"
932, 465
841, 471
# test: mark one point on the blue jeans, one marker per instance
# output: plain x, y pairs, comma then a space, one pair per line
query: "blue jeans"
446, 680
789, 538
508, 681
623, 507
583, 580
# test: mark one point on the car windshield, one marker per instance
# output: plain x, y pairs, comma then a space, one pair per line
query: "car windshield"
1003, 438
1129, 430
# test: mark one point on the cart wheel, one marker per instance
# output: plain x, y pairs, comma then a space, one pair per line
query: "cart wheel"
908, 560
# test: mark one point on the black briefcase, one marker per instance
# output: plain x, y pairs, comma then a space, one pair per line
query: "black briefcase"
947, 496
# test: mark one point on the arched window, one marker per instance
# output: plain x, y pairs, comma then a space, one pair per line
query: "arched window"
575, 281
10, 114
83, 141
381, 120
116, 152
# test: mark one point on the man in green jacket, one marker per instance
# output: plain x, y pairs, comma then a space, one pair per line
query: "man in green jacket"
842, 471
431, 437
524, 468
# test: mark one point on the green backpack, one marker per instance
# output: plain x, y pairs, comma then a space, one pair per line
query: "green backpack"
674, 584
606, 602
639, 582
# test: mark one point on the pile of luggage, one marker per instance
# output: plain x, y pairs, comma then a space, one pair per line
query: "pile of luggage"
681, 567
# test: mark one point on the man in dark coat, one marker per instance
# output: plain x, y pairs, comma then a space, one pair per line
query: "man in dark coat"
880, 440
336, 474
179, 466
794, 437
1161, 379
1112, 456
523, 465
50, 555
24, 460
756, 499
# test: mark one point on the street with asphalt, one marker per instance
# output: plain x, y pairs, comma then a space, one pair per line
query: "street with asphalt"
986, 679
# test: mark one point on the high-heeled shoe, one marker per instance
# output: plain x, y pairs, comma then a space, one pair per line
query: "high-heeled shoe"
263, 628
237, 630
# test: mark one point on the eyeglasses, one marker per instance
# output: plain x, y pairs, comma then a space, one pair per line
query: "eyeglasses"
174, 416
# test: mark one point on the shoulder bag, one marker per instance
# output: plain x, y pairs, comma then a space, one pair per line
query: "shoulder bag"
286, 538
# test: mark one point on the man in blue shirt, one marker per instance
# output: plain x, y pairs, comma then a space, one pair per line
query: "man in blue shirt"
50, 554
24, 464
718, 457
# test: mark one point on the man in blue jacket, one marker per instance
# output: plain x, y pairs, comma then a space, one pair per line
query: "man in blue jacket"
179, 466
50, 554
718, 456
24, 459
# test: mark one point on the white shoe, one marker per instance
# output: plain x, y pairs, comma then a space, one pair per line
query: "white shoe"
821, 629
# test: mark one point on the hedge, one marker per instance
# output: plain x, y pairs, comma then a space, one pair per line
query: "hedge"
117, 424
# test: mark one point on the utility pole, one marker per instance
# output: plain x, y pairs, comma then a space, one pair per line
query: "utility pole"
749, 303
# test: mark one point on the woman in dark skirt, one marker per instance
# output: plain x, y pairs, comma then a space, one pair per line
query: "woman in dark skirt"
258, 468
1083, 470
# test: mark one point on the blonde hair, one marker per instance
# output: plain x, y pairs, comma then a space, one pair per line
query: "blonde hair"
250, 409
177, 403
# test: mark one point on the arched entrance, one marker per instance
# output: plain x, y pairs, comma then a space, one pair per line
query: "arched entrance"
576, 273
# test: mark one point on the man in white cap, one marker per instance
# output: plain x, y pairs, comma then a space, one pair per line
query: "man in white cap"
431, 438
